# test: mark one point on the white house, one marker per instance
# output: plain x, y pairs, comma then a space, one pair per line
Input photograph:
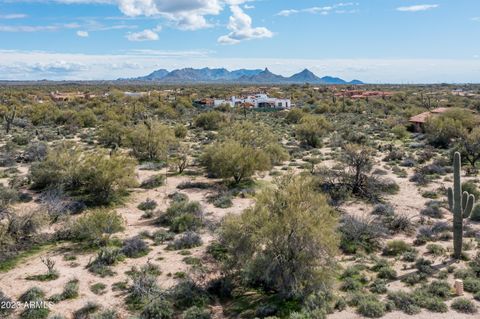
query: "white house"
256, 101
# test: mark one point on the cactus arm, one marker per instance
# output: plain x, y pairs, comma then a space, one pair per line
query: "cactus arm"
450, 198
464, 200
469, 206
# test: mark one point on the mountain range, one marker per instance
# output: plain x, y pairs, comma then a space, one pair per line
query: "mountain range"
222, 75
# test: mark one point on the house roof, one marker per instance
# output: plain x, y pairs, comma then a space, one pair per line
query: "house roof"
423, 117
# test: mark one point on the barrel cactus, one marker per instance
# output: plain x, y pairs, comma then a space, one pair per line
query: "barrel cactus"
460, 204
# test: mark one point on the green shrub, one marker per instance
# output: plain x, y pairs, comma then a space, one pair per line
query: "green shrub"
435, 249
98, 288
135, 247
148, 204
5, 309
188, 240
157, 309
210, 121
187, 294
180, 131
95, 227
471, 285
475, 215
464, 305
86, 311
396, 247
106, 314
371, 308
153, 182
311, 129
404, 302
182, 216
150, 141
32, 294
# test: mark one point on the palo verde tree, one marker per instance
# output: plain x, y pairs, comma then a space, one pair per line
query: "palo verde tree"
151, 141
460, 204
469, 147
311, 130
286, 242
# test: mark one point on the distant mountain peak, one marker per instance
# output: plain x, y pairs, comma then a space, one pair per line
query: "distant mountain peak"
222, 75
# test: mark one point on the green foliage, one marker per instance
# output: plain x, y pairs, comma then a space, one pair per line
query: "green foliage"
210, 121
292, 265
101, 179
182, 216
311, 130
95, 228
475, 215
396, 247
230, 159
371, 308
157, 309
196, 313
180, 131
464, 305
153, 181
151, 141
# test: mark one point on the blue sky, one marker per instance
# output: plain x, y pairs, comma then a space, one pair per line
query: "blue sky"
379, 41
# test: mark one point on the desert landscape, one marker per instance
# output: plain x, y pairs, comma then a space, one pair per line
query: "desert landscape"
150, 201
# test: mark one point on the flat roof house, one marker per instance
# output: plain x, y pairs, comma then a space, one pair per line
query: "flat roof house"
419, 120
255, 101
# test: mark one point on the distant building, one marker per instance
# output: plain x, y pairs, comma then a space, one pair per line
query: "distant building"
419, 120
69, 96
257, 101
136, 94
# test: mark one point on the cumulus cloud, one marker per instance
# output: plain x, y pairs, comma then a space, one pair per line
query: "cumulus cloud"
419, 7
240, 25
82, 34
145, 35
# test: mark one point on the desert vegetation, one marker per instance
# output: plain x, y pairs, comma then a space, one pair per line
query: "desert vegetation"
155, 207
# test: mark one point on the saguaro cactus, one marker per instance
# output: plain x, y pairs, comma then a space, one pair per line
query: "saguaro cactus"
460, 204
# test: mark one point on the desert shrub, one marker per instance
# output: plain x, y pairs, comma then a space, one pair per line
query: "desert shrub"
135, 247
475, 215
311, 130
424, 266
464, 305
471, 284
187, 240
404, 302
378, 286
32, 294
144, 287
196, 313
36, 295
95, 227
106, 257
187, 294
383, 210
360, 233
396, 248
221, 200
441, 130
429, 302
182, 216
471, 188
5, 301
161, 236
112, 134
435, 249
101, 179
398, 223
151, 141
253, 238
157, 309
8, 196
35, 152
371, 308
410, 255
433, 209
180, 131
148, 204
98, 288
439, 288
294, 116
351, 284
86, 311
210, 121
107, 314
153, 182
230, 159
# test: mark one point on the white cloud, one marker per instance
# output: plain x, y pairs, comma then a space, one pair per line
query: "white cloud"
240, 25
35, 65
82, 34
325, 10
12, 16
145, 35
419, 7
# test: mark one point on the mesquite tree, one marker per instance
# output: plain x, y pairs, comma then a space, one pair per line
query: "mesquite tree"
460, 204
